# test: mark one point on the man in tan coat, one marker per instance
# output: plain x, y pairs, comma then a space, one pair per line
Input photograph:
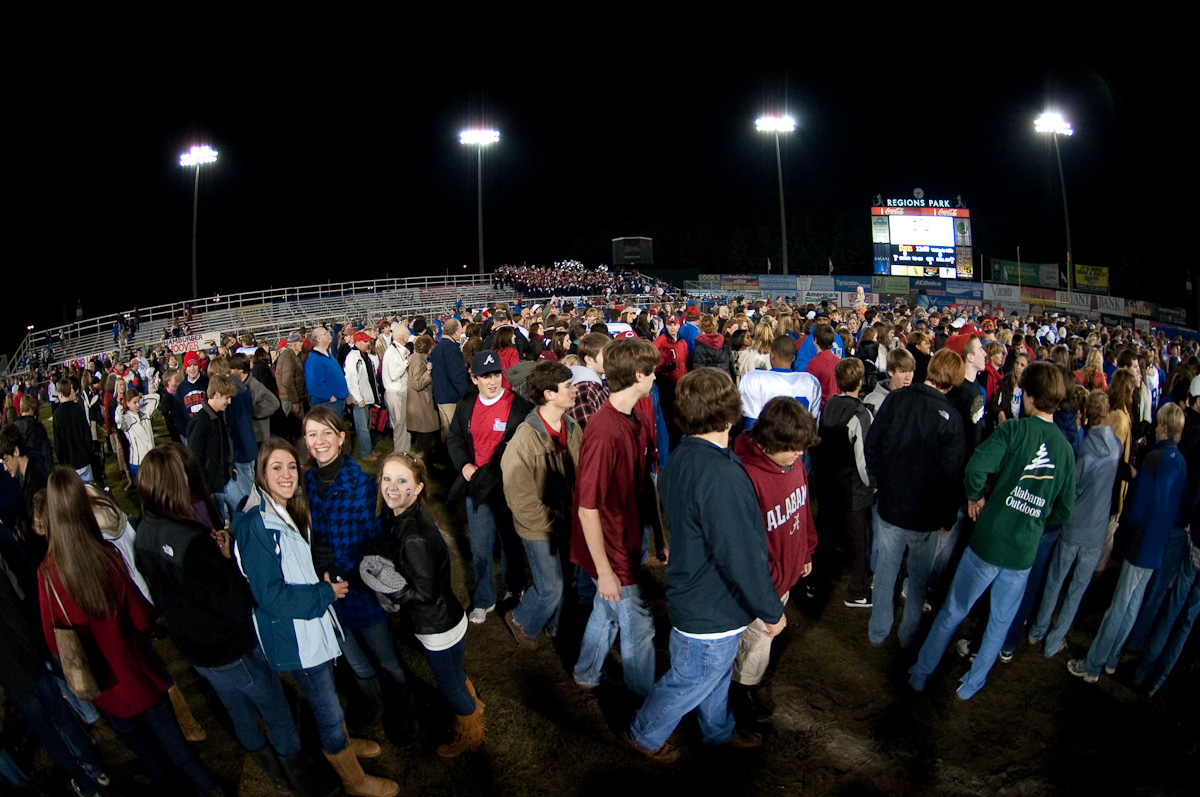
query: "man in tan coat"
539, 481
289, 373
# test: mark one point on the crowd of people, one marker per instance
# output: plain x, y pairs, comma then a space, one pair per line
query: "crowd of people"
574, 278
767, 453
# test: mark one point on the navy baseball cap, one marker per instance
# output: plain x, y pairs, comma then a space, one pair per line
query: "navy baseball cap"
486, 362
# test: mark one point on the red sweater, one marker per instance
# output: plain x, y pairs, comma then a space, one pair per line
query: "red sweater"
783, 498
821, 366
130, 677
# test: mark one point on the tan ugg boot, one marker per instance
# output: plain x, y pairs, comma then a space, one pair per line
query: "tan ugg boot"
183, 715
468, 733
355, 781
363, 748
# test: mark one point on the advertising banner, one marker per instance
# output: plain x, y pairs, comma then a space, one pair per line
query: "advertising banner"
1172, 315
1114, 305
777, 283
994, 292
965, 290
850, 284
708, 280
815, 297
736, 282
849, 299
1092, 279
1037, 275
927, 286
803, 284
879, 230
193, 342
1041, 296
1142, 325
822, 284
1073, 302
1138, 307
1110, 320
889, 284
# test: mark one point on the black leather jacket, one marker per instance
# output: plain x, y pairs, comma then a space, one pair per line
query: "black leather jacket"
418, 551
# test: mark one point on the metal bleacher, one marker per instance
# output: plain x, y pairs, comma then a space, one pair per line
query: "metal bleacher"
268, 315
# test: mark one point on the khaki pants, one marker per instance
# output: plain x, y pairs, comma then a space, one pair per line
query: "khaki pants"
754, 652
397, 407
445, 415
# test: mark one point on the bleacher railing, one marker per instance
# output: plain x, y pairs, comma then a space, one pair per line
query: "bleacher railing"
153, 319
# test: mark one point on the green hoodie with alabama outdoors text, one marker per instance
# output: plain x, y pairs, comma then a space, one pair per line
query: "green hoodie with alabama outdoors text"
1035, 486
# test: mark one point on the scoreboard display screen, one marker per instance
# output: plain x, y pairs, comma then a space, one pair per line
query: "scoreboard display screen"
931, 241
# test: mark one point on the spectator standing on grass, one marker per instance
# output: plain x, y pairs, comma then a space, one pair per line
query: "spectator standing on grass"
539, 467
451, 382
395, 379
842, 483
1154, 507
899, 367
824, 361
614, 499
718, 577
208, 440
588, 378
915, 504
323, 376
1082, 536
190, 395
72, 432
289, 373
361, 371
771, 453
33, 432
263, 404
758, 387
1034, 486
134, 419
483, 424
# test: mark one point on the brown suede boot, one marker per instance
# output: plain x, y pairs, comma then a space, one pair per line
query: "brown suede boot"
468, 733
479, 704
183, 715
356, 782
363, 748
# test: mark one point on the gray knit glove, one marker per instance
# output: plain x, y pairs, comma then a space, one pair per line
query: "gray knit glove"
380, 574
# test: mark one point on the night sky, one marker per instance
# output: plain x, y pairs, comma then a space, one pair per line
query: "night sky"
339, 165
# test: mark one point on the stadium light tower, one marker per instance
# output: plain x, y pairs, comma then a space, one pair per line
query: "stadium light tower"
1054, 124
479, 139
197, 157
777, 125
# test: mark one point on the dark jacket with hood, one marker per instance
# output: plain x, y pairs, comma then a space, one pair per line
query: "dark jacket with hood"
712, 351
486, 484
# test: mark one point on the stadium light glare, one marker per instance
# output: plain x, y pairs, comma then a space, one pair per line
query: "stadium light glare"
198, 155
775, 124
1053, 122
479, 137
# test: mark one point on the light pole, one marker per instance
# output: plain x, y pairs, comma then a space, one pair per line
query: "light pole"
196, 157
1053, 123
777, 125
480, 139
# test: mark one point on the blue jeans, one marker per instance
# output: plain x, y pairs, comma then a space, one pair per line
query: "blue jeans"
317, 685
1160, 587
362, 428
451, 678
891, 542
1033, 589
970, 580
56, 726
1118, 620
1065, 555
1169, 637
377, 639
484, 528
698, 679
250, 689
155, 738
949, 548
542, 604
631, 617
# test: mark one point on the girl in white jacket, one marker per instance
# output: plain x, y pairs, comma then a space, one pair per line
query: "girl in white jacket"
133, 418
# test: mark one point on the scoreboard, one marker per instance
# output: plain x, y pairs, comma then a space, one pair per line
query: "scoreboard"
922, 238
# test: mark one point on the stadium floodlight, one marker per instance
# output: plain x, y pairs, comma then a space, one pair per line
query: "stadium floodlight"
480, 139
777, 125
479, 136
1053, 123
197, 156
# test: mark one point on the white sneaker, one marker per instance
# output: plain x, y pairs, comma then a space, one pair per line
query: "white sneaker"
477, 616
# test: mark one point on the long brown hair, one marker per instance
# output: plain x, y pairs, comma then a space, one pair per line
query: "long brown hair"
83, 560
297, 505
163, 485
420, 475
197, 483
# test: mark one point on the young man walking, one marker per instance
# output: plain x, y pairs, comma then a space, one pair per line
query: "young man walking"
718, 578
614, 500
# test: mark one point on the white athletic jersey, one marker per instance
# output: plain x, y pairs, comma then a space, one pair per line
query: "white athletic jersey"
759, 387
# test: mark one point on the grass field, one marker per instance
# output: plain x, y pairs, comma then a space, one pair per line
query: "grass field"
845, 723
